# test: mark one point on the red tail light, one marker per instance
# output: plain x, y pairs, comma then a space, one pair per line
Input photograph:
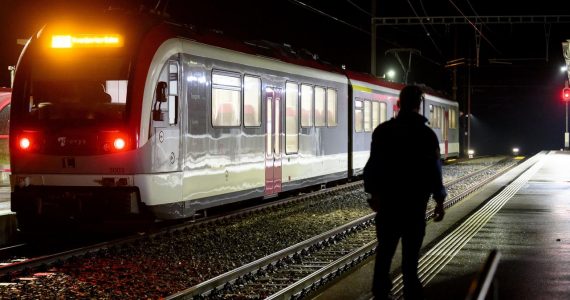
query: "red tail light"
115, 141
24, 143
119, 143
29, 141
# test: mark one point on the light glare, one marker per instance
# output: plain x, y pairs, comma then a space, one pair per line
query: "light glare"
86, 40
61, 41
25, 143
119, 143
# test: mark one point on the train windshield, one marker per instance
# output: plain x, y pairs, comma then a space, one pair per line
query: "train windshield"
92, 91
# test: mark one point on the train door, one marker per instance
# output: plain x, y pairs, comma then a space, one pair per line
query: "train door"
272, 141
445, 133
165, 123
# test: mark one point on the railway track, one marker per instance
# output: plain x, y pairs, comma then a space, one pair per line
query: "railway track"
295, 272
323, 246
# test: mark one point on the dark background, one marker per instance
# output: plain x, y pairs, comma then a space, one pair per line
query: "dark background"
515, 102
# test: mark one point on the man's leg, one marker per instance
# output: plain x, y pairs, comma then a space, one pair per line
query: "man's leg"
412, 239
388, 236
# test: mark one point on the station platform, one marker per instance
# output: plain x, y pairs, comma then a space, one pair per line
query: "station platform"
524, 214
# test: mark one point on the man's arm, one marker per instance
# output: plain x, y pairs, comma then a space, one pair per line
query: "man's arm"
438, 189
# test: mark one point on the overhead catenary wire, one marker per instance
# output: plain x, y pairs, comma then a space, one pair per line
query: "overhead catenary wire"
474, 26
426, 30
359, 8
320, 12
306, 6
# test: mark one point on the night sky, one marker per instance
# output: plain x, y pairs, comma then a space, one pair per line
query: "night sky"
514, 103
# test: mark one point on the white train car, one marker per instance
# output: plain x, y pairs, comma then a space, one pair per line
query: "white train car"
374, 101
123, 116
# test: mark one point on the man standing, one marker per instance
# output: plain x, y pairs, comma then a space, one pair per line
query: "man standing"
403, 171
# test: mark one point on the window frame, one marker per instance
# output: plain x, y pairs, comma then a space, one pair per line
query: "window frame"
361, 109
312, 109
335, 107
259, 103
239, 89
325, 112
298, 120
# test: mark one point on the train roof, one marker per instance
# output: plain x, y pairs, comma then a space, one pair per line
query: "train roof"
368, 78
138, 24
264, 48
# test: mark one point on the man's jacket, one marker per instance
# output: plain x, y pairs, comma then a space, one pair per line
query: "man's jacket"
404, 161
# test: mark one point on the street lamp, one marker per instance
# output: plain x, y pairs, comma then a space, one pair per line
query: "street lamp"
566, 98
471, 153
515, 151
391, 74
566, 90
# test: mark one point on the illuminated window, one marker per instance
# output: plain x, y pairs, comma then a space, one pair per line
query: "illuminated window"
367, 121
358, 116
291, 117
226, 99
306, 105
331, 108
172, 92
383, 112
441, 117
251, 101
320, 106
452, 119
375, 114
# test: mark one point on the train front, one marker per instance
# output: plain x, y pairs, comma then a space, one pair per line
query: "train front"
73, 141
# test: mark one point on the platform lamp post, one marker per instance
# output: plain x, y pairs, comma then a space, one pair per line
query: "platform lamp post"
566, 98
566, 90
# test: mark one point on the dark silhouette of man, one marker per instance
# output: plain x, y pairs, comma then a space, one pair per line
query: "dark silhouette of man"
403, 171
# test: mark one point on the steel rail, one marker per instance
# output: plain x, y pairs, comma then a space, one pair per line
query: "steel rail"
231, 276
7, 270
303, 286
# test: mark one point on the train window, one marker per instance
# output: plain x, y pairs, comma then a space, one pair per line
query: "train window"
306, 105
320, 106
331, 108
440, 116
383, 112
375, 114
117, 89
68, 94
437, 117
358, 117
452, 119
226, 99
291, 117
172, 92
251, 101
367, 121
4, 119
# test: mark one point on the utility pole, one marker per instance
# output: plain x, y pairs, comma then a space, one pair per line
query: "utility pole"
373, 39
566, 91
468, 106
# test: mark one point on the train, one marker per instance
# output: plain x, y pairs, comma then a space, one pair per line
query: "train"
5, 99
116, 117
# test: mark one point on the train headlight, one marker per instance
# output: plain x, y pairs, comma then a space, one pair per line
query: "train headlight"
86, 41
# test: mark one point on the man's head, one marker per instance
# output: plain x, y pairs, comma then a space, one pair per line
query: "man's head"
411, 97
